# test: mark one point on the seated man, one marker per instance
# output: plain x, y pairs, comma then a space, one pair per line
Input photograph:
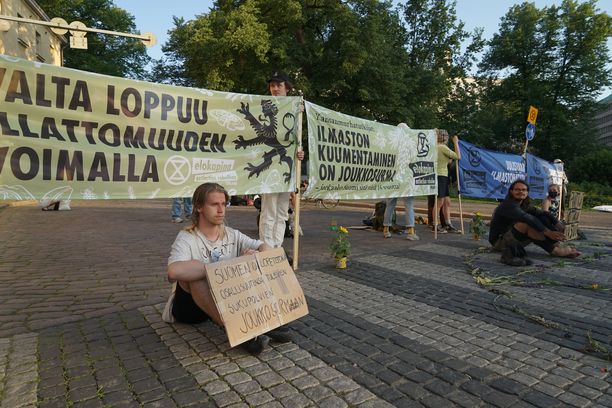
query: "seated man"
515, 224
208, 240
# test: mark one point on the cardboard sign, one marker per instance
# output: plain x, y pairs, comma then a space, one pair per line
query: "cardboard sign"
572, 215
255, 294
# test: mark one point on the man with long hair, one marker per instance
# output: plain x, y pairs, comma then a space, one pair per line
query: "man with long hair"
516, 224
209, 240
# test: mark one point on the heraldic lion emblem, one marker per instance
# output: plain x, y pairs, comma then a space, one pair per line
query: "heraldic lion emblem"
266, 130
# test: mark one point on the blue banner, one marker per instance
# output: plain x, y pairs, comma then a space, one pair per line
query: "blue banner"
486, 173
540, 174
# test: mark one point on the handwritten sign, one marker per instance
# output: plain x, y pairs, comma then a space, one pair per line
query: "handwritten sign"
255, 294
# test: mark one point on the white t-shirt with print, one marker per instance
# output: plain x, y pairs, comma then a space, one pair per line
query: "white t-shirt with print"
190, 245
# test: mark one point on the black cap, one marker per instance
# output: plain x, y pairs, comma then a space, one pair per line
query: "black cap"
280, 76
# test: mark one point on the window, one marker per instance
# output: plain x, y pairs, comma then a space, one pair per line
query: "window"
22, 33
39, 48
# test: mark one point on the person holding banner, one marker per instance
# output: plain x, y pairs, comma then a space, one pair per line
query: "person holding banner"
516, 224
445, 156
275, 206
408, 212
206, 241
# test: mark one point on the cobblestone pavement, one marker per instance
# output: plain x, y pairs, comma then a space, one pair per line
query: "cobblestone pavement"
407, 324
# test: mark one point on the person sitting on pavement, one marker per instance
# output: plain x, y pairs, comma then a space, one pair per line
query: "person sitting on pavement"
208, 240
408, 212
516, 224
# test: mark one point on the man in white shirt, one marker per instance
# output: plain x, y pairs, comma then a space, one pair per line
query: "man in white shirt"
275, 206
208, 240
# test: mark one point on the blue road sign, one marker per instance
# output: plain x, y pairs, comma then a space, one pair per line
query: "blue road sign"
530, 131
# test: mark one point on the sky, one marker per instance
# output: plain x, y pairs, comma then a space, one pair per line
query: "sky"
156, 15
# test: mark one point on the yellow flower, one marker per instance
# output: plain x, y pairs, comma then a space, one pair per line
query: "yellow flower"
343, 230
594, 286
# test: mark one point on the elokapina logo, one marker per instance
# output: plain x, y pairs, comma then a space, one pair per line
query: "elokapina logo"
422, 146
474, 157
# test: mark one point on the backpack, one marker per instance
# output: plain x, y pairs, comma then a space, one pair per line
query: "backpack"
377, 218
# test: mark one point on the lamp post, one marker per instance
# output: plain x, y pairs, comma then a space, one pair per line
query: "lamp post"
77, 30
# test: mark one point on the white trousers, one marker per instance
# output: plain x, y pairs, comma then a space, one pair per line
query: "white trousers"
274, 214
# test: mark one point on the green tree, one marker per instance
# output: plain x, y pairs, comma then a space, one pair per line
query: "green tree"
347, 56
593, 167
553, 58
436, 62
106, 54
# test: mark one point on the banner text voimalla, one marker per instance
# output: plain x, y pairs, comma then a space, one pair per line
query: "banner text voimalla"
26, 163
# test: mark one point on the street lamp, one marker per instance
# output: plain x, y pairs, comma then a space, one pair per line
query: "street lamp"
77, 30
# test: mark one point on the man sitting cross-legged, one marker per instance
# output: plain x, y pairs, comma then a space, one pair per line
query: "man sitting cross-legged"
208, 240
516, 224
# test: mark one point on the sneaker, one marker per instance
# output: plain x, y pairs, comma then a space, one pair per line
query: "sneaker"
441, 229
412, 237
386, 232
177, 220
281, 334
450, 228
256, 345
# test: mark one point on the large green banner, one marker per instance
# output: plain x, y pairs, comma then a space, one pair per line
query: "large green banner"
353, 158
72, 134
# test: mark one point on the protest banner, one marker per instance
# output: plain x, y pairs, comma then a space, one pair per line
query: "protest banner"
354, 158
72, 134
255, 294
541, 174
486, 173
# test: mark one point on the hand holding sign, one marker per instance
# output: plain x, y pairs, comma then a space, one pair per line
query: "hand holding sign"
255, 293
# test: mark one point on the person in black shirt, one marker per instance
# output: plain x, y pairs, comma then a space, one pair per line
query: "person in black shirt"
516, 224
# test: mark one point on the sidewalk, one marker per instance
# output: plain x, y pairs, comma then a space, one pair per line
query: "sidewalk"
407, 324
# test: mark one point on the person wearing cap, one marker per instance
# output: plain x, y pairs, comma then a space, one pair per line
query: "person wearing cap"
275, 206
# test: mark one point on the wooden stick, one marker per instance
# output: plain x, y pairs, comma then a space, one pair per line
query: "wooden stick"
459, 193
436, 215
298, 178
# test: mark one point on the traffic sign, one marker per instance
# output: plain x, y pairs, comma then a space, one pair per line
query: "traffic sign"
533, 115
530, 131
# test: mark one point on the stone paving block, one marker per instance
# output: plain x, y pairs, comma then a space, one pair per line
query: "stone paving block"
332, 402
318, 392
548, 389
190, 398
574, 400
259, 398
296, 401
215, 387
342, 384
226, 398
249, 387
358, 396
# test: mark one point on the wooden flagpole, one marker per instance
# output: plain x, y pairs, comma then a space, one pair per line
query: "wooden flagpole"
459, 193
298, 178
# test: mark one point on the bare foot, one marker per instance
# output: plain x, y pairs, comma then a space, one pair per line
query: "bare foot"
565, 252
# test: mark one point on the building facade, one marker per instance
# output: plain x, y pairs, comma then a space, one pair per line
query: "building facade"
603, 121
26, 40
